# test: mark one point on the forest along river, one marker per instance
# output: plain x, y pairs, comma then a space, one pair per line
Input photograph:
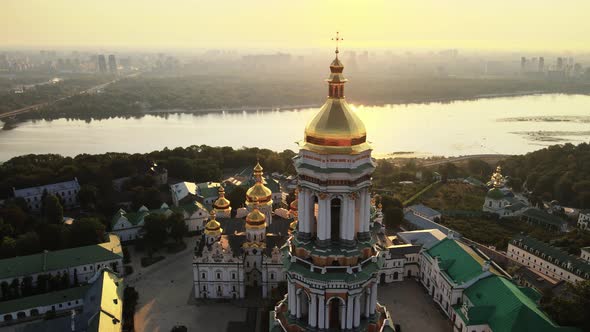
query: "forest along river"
511, 125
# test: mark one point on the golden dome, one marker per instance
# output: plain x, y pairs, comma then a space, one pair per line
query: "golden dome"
258, 192
221, 203
336, 128
256, 218
213, 227
258, 167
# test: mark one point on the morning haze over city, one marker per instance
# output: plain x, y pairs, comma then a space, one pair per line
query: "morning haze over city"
190, 165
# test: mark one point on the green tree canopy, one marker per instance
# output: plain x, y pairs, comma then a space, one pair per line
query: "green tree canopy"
178, 228
155, 231
52, 209
87, 231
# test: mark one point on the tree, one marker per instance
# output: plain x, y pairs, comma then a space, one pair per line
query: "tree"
5, 290
53, 236
155, 232
390, 202
130, 297
393, 217
52, 209
7, 247
87, 231
479, 168
178, 228
15, 216
87, 196
515, 184
5, 229
27, 244
569, 308
26, 286
237, 197
65, 281
42, 283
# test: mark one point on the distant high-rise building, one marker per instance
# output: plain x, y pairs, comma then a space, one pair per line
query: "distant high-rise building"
112, 64
559, 63
102, 64
522, 64
541, 64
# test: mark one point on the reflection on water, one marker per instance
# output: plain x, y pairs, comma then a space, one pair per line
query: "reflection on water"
503, 125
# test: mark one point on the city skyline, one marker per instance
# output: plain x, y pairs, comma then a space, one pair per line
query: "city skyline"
502, 25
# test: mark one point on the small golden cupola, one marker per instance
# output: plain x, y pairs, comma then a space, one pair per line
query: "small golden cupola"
255, 225
336, 128
258, 192
255, 219
213, 228
222, 205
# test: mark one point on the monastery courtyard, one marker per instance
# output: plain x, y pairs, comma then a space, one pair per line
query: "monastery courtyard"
166, 299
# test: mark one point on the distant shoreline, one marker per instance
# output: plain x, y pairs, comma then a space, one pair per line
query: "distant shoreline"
250, 109
304, 106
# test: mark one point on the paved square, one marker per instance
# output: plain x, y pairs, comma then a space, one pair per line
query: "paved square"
166, 298
412, 308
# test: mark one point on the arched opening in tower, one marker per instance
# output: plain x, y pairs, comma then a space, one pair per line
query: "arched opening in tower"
335, 219
335, 308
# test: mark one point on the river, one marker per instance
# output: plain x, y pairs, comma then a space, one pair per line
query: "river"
507, 125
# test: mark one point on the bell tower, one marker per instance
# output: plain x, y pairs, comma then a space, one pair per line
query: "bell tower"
331, 261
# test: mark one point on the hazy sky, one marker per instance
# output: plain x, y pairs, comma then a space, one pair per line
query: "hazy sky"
556, 25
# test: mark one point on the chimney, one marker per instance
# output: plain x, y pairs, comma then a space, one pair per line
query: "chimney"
73, 324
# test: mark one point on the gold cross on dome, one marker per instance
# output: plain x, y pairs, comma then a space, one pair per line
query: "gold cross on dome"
337, 39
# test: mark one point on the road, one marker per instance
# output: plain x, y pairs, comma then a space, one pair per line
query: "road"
35, 107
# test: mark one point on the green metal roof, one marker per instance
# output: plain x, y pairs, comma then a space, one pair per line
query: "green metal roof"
456, 260
133, 217
30, 302
503, 306
189, 208
60, 259
553, 254
495, 193
543, 217
208, 189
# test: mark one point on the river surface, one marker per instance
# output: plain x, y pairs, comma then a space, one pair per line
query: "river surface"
509, 125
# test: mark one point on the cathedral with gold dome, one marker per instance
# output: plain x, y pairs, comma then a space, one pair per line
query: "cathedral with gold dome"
234, 254
331, 260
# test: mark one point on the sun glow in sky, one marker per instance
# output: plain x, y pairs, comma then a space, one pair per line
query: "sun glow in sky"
478, 24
